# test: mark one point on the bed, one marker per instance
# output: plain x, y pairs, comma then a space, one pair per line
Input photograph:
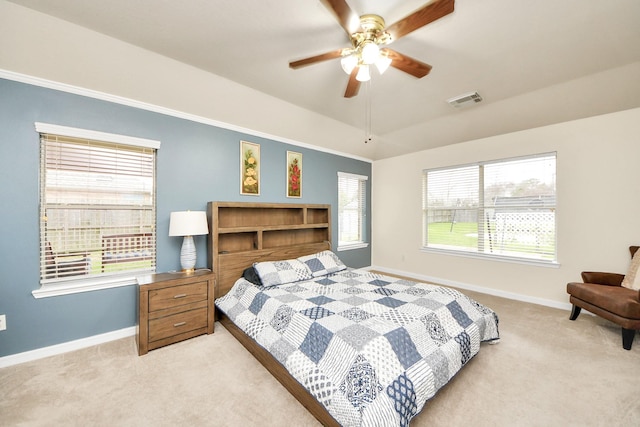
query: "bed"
354, 347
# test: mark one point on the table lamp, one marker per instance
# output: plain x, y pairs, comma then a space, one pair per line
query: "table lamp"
188, 224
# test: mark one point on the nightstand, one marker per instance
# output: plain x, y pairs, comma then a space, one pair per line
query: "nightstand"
173, 307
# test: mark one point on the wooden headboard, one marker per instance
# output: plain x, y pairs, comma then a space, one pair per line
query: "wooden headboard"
244, 233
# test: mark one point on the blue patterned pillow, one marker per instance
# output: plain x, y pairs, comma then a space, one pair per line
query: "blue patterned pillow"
323, 263
274, 273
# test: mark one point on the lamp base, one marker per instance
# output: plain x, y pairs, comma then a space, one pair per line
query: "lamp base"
188, 255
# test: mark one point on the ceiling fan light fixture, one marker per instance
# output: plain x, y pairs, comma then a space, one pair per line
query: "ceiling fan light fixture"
363, 74
383, 62
348, 63
369, 51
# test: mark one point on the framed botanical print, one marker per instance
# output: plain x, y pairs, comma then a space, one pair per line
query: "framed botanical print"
249, 168
294, 174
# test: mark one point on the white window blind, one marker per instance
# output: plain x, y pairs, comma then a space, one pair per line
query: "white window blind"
352, 190
504, 208
98, 206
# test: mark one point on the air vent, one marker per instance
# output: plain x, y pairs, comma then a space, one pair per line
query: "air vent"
465, 99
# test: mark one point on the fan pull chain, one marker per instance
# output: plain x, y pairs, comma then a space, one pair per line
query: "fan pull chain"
367, 113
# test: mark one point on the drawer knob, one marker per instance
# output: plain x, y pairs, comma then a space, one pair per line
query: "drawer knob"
179, 296
175, 325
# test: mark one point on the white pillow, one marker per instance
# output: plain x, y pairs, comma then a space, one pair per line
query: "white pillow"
632, 278
274, 273
323, 263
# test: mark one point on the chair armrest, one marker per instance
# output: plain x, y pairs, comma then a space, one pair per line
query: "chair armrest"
599, 278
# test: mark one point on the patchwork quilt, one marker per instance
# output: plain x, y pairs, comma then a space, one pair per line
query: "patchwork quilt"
371, 348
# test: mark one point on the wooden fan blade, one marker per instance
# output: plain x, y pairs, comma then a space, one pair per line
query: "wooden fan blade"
318, 58
407, 64
353, 86
420, 18
343, 13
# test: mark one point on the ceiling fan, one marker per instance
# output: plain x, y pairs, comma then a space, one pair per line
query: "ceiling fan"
369, 36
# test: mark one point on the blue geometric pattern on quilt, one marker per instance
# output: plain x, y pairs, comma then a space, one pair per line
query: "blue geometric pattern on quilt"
282, 317
402, 344
404, 398
320, 300
464, 341
356, 314
437, 333
379, 282
325, 281
361, 385
316, 313
385, 291
391, 302
458, 313
316, 342
323, 263
371, 349
257, 303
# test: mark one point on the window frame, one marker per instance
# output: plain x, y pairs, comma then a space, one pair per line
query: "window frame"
362, 212
86, 283
481, 207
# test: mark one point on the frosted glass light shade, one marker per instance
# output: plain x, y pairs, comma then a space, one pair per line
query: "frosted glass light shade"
349, 63
363, 74
370, 52
382, 63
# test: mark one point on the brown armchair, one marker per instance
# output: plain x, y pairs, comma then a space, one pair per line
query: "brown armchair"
603, 295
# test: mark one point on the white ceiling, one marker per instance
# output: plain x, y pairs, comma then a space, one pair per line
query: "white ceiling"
534, 62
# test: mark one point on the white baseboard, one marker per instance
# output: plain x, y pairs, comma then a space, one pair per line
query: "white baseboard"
481, 289
53, 350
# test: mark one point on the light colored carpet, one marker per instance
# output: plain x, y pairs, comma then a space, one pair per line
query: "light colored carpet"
546, 371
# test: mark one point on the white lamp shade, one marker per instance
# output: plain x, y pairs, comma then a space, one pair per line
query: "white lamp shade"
188, 223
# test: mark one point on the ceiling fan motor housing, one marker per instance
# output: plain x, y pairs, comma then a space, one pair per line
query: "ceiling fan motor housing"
373, 29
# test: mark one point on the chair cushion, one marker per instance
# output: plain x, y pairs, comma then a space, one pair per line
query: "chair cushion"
632, 278
616, 299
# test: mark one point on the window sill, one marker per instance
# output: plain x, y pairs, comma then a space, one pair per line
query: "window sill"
352, 246
85, 285
490, 257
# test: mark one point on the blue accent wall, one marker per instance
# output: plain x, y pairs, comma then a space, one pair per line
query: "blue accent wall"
196, 163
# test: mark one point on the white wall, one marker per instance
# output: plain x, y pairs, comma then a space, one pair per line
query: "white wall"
38, 45
598, 210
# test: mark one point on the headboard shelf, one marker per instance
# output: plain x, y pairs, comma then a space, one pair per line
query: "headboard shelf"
243, 233
248, 229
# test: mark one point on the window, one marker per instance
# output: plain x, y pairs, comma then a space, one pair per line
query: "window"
97, 208
503, 208
352, 190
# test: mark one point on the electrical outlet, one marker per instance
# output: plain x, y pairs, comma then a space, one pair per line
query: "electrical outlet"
3, 322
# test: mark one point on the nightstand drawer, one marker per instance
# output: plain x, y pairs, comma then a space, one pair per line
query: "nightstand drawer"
177, 295
176, 324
